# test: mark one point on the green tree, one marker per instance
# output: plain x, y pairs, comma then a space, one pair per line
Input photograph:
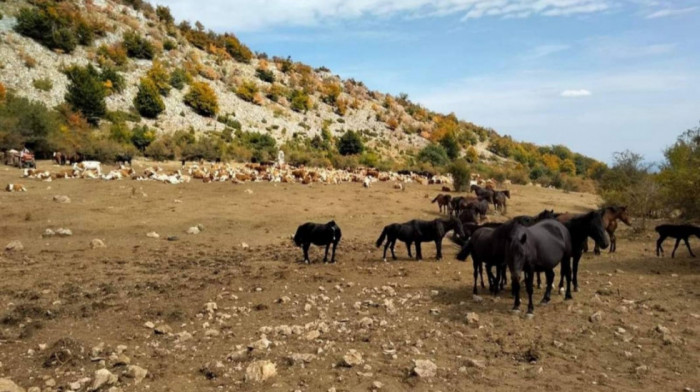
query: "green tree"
434, 154
142, 137
350, 144
202, 99
460, 175
449, 143
680, 174
148, 101
86, 92
137, 46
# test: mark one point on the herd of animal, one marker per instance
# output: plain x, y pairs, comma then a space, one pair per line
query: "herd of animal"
524, 245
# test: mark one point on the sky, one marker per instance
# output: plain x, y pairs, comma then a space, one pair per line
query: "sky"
598, 76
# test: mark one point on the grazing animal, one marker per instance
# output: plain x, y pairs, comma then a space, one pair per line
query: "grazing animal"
479, 206
580, 228
417, 231
446, 189
487, 246
610, 216
482, 193
679, 232
15, 188
89, 165
540, 247
124, 159
60, 158
527, 220
499, 200
443, 202
366, 182
318, 234
458, 204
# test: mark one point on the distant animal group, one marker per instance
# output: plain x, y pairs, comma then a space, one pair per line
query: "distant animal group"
524, 245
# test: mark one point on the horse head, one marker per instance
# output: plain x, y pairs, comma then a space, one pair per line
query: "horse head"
517, 245
596, 229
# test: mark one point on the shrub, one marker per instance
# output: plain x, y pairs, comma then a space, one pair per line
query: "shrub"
119, 116
137, 46
115, 54
161, 149
86, 93
449, 143
120, 132
275, 91
247, 90
179, 77
460, 175
680, 177
25, 122
43, 84
236, 49
147, 101
350, 144
3, 92
112, 79
472, 156
265, 75
434, 154
299, 101
103, 150
160, 78
142, 137
169, 44
202, 99
49, 27
263, 146
164, 15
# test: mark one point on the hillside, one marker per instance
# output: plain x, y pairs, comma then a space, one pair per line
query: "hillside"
131, 41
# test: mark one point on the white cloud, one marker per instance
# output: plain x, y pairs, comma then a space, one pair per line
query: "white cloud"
575, 93
671, 12
251, 15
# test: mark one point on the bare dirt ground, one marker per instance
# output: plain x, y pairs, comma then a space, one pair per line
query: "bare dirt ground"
65, 309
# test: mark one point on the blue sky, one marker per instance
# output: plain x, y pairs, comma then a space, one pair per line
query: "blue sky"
596, 75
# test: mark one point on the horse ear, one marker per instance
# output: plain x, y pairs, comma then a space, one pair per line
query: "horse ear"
523, 238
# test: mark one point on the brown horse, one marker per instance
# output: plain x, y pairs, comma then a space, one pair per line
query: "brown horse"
443, 202
610, 216
499, 200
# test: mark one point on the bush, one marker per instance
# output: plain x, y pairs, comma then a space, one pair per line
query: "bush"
263, 146
265, 75
162, 149
112, 79
460, 175
179, 77
472, 156
147, 101
25, 122
115, 54
449, 143
44, 84
247, 90
103, 150
434, 154
169, 44
142, 137
680, 177
86, 93
137, 46
119, 116
299, 101
50, 26
202, 99
164, 15
120, 133
350, 144
236, 49
275, 91
160, 78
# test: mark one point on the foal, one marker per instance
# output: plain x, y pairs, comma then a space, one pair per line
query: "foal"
443, 202
679, 232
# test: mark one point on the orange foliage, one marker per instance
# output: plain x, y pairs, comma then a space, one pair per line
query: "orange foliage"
3, 92
551, 161
392, 123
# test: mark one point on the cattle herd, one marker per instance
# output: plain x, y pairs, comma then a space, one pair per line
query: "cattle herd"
527, 245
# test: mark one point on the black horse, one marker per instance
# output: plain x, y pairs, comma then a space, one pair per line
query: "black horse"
124, 159
580, 228
417, 231
318, 234
482, 193
499, 200
538, 248
679, 232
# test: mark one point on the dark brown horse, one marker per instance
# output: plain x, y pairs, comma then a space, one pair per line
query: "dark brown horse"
482, 193
443, 202
499, 200
417, 231
679, 232
610, 216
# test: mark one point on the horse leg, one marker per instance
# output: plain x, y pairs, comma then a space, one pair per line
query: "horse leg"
408, 246
419, 254
335, 245
577, 258
481, 273
504, 277
659, 242
306, 252
673, 254
549, 274
393, 255
493, 280
438, 246
476, 266
515, 287
687, 244
325, 256
386, 246
529, 277
539, 280
566, 272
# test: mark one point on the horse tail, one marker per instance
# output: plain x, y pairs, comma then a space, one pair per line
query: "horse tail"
435, 199
382, 236
466, 251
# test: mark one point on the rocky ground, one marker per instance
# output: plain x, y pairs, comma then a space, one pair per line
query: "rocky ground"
126, 300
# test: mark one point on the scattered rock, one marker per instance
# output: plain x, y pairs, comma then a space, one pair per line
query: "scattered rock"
475, 363
48, 233
14, 246
312, 335
173, 238
472, 318
163, 330
152, 234
477, 298
297, 358
249, 191
424, 368
245, 246
193, 230
377, 385
352, 358
366, 322
97, 243
103, 377
661, 329
259, 371
63, 199
62, 232
137, 373
596, 317
261, 344
149, 325
7, 385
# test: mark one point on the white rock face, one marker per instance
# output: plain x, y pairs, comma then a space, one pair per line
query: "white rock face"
260, 371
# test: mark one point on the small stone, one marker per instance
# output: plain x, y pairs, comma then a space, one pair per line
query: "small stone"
193, 230
424, 368
249, 191
149, 325
661, 329
212, 332
49, 233
352, 358
260, 371
50, 382
472, 318
640, 370
211, 307
477, 298
173, 238
366, 322
261, 344
596, 317
97, 243
312, 335
63, 199
103, 377
377, 385
245, 246
434, 292
14, 246
475, 363
74, 386
300, 358
163, 330
152, 234
137, 373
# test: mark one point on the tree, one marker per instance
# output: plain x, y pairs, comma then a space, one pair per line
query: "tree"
434, 154
630, 182
299, 101
137, 46
350, 144
86, 93
472, 156
680, 174
147, 101
202, 99
160, 78
568, 166
449, 143
460, 175
142, 137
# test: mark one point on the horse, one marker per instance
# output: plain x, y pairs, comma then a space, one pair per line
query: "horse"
443, 202
418, 231
540, 247
610, 216
479, 206
482, 193
679, 232
527, 220
580, 228
499, 200
124, 159
60, 158
318, 234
